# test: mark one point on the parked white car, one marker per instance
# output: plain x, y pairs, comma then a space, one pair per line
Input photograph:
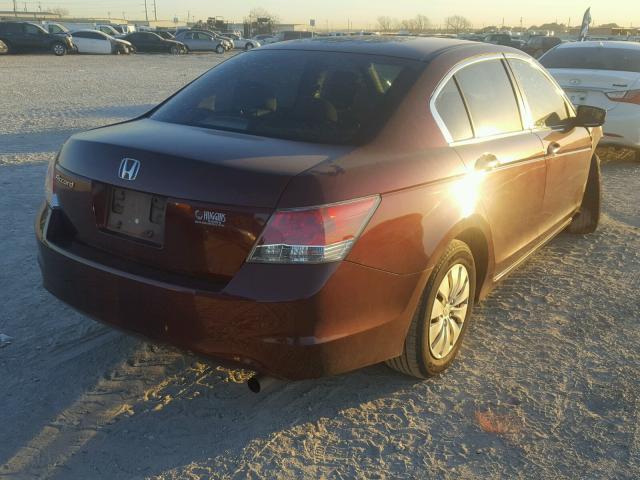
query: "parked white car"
606, 75
265, 39
243, 43
93, 41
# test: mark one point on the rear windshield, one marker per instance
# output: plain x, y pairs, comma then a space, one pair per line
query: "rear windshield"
323, 97
595, 58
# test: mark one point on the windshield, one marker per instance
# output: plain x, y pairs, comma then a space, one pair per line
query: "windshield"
595, 58
323, 97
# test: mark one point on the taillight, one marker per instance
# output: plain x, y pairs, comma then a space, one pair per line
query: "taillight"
625, 96
313, 235
49, 181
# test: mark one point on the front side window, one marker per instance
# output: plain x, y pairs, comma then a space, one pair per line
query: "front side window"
324, 97
453, 113
490, 98
546, 104
32, 29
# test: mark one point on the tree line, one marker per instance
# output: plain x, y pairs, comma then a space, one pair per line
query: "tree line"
421, 24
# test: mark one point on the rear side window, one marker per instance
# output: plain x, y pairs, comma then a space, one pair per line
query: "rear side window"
490, 98
595, 58
453, 113
547, 106
11, 28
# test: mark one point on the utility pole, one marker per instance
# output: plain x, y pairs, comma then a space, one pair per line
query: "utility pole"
146, 12
155, 11
15, 8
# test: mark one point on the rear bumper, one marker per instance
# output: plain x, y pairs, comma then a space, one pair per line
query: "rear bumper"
621, 126
295, 322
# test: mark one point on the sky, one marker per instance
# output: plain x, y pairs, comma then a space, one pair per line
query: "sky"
337, 14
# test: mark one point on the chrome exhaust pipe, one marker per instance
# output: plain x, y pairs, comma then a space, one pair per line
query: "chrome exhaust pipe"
258, 383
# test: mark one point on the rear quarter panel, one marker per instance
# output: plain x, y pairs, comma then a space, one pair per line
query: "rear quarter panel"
423, 183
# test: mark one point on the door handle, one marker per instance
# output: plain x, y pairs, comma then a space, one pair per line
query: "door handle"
488, 161
553, 148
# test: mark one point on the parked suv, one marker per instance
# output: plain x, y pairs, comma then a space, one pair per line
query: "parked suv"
537, 46
311, 207
503, 39
30, 37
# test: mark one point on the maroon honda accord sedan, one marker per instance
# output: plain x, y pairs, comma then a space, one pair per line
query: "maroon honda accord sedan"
316, 206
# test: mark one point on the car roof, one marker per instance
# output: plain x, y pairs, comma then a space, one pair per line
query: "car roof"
90, 30
413, 48
601, 44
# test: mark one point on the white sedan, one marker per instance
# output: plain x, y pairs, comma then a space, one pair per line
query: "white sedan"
243, 43
602, 74
93, 41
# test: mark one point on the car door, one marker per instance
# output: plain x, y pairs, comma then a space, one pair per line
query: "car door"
156, 44
568, 150
81, 42
12, 34
102, 44
91, 42
141, 42
208, 41
191, 41
506, 160
34, 38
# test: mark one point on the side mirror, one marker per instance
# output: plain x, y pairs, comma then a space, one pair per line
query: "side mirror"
589, 116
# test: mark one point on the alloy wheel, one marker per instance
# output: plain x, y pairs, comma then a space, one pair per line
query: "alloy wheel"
449, 311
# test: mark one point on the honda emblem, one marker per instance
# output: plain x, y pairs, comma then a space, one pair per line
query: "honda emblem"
129, 168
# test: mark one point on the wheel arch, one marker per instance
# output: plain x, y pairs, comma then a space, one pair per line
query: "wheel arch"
476, 233
477, 242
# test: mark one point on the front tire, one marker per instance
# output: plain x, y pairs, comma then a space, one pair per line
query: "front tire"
248, 46
219, 49
588, 216
174, 50
442, 317
59, 49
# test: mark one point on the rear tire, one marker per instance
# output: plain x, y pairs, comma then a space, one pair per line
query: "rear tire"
588, 216
59, 49
419, 357
248, 46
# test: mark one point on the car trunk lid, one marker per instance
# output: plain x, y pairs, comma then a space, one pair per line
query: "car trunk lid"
198, 203
588, 87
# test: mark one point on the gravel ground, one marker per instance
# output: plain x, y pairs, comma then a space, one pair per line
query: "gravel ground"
546, 385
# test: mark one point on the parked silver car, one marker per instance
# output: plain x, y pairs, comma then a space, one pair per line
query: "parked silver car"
243, 43
200, 41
